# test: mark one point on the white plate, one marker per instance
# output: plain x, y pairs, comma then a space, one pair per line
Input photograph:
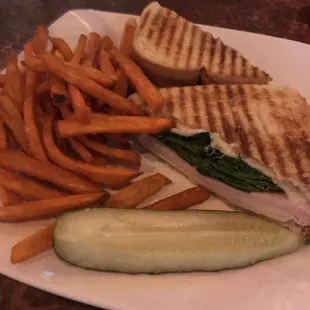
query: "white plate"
279, 284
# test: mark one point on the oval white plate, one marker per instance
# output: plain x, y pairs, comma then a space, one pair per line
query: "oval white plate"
279, 284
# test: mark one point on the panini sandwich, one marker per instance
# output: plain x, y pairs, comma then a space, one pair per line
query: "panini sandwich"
249, 144
173, 52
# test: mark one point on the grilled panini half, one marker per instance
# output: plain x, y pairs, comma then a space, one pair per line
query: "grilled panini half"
264, 126
174, 51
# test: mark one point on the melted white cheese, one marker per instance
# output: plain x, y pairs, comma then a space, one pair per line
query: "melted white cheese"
217, 142
186, 131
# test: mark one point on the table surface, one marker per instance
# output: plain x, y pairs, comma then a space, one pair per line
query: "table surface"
18, 18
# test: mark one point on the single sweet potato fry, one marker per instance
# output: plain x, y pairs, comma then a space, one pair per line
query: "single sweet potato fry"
101, 123
81, 150
50, 207
80, 49
14, 121
81, 110
97, 76
14, 81
31, 127
113, 176
3, 138
8, 198
33, 245
39, 40
31, 82
132, 195
93, 45
31, 61
90, 87
106, 66
25, 187
58, 88
183, 200
16, 161
140, 81
128, 35
62, 46
106, 44
121, 86
127, 156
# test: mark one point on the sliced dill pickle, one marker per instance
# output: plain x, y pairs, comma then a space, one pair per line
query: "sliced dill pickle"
146, 241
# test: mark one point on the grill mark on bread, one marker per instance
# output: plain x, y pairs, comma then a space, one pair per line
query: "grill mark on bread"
212, 52
250, 70
169, 102
154, 23
162, 29
259, 143
227, 131
171, 34
233, 62
295, 158
278, 152
238, 123
248, 147
183, 103
243, 66
145, 19
227, 93
180, 42
194, 100
223, 49
280, 164
202, 43
255, 72
291, 146
243, 139
190, 48
210, 117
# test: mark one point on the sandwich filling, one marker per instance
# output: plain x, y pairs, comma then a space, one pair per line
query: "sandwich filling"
212, 157
246, 143
198, 151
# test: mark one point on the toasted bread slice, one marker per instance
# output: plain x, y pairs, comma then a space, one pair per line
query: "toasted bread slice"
174, 52
265, 125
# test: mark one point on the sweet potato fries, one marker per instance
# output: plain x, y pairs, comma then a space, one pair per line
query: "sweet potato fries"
65, 125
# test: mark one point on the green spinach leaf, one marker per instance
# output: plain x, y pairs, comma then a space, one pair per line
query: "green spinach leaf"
196, 150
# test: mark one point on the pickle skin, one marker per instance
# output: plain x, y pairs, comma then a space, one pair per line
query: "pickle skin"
153, 242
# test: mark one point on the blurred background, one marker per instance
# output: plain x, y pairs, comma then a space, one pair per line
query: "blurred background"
282, 18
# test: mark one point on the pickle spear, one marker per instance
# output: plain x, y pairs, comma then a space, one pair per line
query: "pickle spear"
147, 241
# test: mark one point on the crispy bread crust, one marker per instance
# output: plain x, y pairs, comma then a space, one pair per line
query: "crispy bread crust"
173, 50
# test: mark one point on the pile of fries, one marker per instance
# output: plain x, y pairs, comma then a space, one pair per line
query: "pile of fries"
64, 121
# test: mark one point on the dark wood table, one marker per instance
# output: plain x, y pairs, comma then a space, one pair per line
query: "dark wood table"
283, 18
